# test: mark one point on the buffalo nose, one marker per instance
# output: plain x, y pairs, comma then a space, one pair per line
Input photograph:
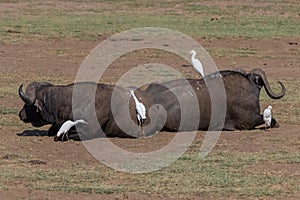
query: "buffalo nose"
22, 116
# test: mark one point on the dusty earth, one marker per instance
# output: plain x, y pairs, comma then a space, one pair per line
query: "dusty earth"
35, 57
45, 61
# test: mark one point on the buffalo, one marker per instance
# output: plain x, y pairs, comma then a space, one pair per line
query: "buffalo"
225, 100
241, 96
54, 104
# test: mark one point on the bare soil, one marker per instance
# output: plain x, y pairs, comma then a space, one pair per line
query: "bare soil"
25, 58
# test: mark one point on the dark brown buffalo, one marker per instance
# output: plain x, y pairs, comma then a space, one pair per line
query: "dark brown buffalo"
241, 108
171, 106
52, 104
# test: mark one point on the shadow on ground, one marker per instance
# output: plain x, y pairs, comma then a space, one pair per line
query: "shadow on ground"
35, 132
41, 133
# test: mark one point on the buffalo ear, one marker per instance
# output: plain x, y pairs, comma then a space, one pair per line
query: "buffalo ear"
257, 80
38, 105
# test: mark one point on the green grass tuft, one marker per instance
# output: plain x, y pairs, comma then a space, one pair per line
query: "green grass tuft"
35, 23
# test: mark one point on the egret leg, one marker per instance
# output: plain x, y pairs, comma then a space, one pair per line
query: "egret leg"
67, 135
143, 133
139, 131
265, 126
62, 138
140, 127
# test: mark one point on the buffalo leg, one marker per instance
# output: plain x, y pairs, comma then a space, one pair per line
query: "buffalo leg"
228, 127
259, 120
53, 130
274, 123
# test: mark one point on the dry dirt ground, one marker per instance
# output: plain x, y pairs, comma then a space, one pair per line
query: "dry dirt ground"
45, 59
25, 58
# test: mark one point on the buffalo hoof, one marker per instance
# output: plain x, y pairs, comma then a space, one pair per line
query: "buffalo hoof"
274, 124
53, 130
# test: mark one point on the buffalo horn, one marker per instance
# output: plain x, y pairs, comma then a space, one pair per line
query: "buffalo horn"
25, 98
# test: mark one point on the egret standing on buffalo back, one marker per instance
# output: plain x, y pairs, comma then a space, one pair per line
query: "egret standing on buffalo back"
140, 110
196, 63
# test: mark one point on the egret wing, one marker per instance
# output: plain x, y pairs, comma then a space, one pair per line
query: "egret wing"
65, 127
142, 110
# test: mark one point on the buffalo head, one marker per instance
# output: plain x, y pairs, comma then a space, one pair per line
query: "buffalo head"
31, 111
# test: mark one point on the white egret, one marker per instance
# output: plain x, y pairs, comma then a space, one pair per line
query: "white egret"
140, 109
196, 63
67, 126
268, 116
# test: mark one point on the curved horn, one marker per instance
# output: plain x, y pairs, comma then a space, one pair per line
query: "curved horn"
25, 98
269, 91
282, 93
